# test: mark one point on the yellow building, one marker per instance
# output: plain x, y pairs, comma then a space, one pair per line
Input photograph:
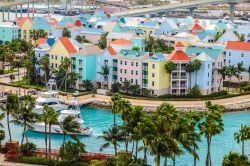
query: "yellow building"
62, 48
25, 24
158, 78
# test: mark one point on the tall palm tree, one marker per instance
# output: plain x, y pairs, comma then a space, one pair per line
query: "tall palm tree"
242, 136
45, 118
170, 66
25, 116
10, 109
72, 78
38, 33
212, 125
69, 125
52, 117
44, 63
196, 67
65, 66
116, 105
112, 137
105, 73
223, 72
190, 69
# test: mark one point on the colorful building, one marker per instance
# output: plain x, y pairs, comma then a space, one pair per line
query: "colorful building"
25, 25
8, 32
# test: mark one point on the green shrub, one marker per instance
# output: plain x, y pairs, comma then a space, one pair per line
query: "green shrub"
35, 160
69, 163
195, 92
71, 151
27, 148
235, 159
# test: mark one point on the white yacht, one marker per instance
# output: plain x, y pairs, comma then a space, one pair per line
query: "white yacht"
50, 97
74, 110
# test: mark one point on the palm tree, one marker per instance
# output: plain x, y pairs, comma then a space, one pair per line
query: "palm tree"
135, 89
235, 159
38, 33
65, 66
25, 116
102, 43
170, 66
223, 72
190, 69
51, 118
239, 69
45, 65
242, 136
149, 43
72, 78
126, 86
11, 108
213, 125
44, 118
248, 70
112, 137
196, 67
117, 104
69, 125
105, 73
87, 85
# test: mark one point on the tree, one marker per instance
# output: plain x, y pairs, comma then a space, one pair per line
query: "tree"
116, 87
72, 151
29, 61
136, 49
135, 89
223, 72
242, 136
38, 33
45, 119
212, 125
102, 43
241, 37
149, 43
66, 32
105, 73
196, 66
87, 85
11, 107
126, 86
195, 91
25, 115
248, 70
65, 67
190, 69
72, 78
69, 125
44, 63
112, 137
170, 66
235, 159
52, 117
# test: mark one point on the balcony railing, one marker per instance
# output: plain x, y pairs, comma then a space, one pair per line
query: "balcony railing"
114, 72
175, 86
175, 77
184, 77
183, 85
114, 64
144, 76
145, 68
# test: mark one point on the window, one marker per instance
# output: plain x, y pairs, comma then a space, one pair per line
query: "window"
136, 64
132, 81
56, 57
153, 74
120, 70
56, 65
52, 56
229, 61
121, 79
153, 83
136, 82
61, 58
120, 62
106, 62
132, 72
125, 71
242, 55
125, 62
125, 79
153, 66
229, 54
153, 92
132, 63
136, 72
208, 66
208, 83
207, 74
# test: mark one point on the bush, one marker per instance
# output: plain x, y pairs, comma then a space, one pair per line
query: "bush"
35, 160
71, 151
27, 148
69, 163
116, 87
195, 92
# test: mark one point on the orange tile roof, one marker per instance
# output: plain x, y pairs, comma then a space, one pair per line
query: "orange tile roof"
41, 41
78, 23
68, 45
179, 44
179, 56
197, 27
233, 45
21, 20
121, 41
111, 51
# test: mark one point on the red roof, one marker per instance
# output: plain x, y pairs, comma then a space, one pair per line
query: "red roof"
121, 41
179, 56
234, 45
111, 51
196, 21
78, 23
179, 44
41, 41
21, 20
68, 45
197, 27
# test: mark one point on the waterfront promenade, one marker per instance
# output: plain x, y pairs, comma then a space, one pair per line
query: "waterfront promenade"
147, 103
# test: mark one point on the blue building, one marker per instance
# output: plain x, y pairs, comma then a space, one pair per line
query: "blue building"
8, 32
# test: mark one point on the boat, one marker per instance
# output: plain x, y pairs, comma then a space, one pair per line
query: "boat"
49, 97
73, 110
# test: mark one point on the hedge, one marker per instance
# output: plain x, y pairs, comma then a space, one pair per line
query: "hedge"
45, 161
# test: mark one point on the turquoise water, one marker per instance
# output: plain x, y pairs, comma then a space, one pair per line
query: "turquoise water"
101, 120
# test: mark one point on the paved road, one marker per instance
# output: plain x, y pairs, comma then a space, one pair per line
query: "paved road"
5, 78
